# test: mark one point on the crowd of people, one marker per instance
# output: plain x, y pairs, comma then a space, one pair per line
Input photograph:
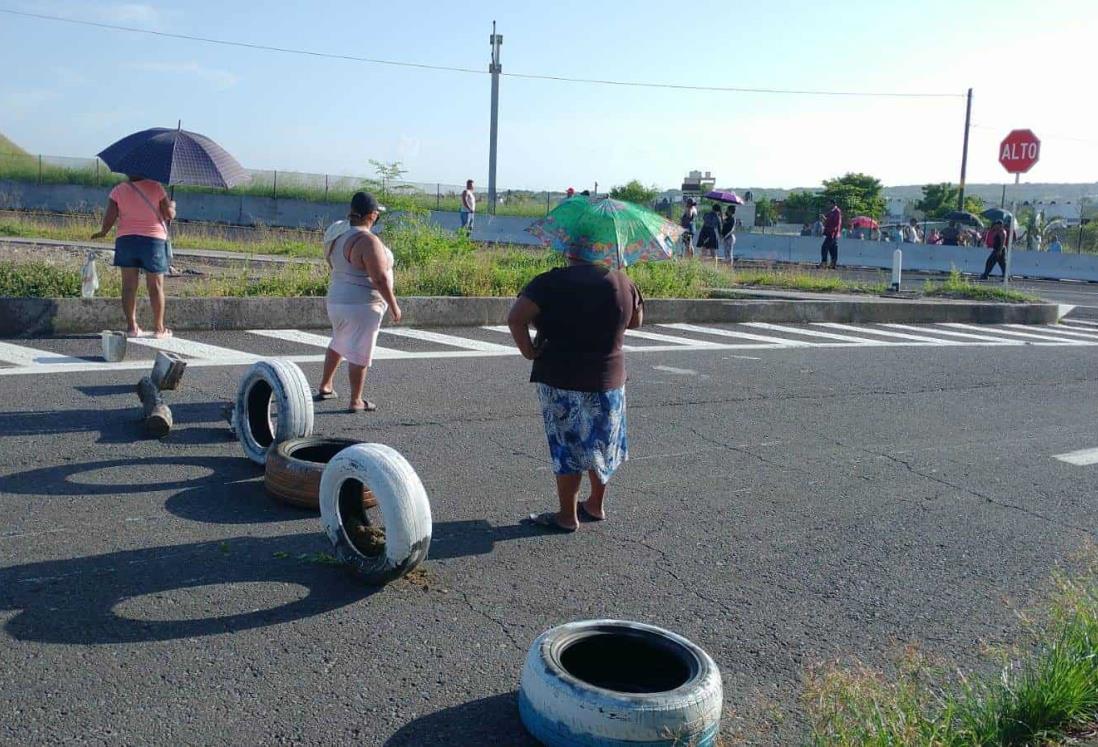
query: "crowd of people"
718, 230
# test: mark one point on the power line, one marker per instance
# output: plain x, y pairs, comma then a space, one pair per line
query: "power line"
448, 68
1044, 136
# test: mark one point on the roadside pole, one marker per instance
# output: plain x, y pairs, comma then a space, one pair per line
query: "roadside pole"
494, 68
964, 153
1013, 229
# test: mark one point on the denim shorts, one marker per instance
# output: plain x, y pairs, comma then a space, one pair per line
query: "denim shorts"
143, 252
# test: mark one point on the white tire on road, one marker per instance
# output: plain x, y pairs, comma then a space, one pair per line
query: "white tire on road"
284, 383
611, 683
401, 498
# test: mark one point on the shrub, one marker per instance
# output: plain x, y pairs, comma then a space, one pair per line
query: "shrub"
38, 280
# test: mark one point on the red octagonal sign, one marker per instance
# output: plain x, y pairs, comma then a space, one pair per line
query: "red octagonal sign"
1019, 151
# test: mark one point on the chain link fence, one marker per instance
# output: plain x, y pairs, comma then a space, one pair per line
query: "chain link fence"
46, 170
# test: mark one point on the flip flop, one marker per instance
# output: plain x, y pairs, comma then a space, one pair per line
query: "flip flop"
322, 396
139, 333
585, 515
368, 406
165, 335
547, 520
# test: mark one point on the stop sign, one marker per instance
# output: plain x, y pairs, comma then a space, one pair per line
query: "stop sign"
1019, 151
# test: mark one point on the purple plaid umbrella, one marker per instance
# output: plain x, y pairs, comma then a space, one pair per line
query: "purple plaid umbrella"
719, 195
174, 157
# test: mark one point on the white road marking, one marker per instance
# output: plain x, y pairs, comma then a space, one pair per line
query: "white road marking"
954, 333
451, 340
736, 333
641, 335
321, 341
1059, 329
888, 333
193, 349
22, 356
676, 371
1013, 333
1079, 321
742, 357
815, 333
1063, 310
1080, 458
628, 348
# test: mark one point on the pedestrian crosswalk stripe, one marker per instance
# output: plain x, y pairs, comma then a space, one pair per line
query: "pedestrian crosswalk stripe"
642, 335
1014, 333
888, 333
1079, 321
781, 341
321, 341
1057, 329
451, 340
954, 333
22, 356
1081, 458
816, 333
193, 349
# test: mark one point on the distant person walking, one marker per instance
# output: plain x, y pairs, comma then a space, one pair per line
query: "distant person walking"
833, 226
1055, 246
359, 294
911, 232
688, 222
996, 241
143, 211
818, 227
581, 313
728, 233
951, 234
710, 236
468, 206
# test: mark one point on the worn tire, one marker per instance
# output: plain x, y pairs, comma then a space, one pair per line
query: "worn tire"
294, 468
601, 683
286, 384
400, 496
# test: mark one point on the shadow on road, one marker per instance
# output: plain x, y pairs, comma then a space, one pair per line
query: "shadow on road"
73, 601
63, 478
120, 425
460, 539
488, 721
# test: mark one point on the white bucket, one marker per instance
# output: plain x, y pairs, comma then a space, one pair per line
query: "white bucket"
114, 346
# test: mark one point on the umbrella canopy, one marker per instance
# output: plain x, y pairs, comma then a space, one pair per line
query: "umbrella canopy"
994, 214
174, 157
963, 216
607, 232
864, 221
718, 195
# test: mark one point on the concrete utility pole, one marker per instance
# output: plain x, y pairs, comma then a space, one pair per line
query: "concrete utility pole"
964, 152
494, 68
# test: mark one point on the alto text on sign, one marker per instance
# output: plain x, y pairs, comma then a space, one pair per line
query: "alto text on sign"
1019, 151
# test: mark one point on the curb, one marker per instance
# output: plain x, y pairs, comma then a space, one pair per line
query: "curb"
35, 317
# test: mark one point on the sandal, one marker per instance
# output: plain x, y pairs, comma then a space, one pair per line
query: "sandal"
321, 395
367, 406
548, 520
585, 515
165, 334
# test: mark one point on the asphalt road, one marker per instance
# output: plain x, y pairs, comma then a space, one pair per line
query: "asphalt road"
782, 508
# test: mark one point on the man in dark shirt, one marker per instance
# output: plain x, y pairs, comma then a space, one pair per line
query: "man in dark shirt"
996, 241
951, 234
581, 313
833, 226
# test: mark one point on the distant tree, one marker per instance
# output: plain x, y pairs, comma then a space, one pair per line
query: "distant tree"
940, 199
802, 207
635, 192
857, 194
387, 171
764, 212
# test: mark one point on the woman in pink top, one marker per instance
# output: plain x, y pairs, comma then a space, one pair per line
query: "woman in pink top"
143, 211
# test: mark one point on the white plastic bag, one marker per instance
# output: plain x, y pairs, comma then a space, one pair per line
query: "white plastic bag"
89, 278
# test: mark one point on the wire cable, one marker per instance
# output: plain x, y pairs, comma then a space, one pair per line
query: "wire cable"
449, 68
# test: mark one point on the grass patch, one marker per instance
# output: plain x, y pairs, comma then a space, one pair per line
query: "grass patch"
1037, 698
803, 281
38, 280
958, 286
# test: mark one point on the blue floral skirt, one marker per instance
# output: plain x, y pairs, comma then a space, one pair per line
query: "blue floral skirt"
585, 430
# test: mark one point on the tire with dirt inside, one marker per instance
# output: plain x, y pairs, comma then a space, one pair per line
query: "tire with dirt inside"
294, 468
284, 384
377, 554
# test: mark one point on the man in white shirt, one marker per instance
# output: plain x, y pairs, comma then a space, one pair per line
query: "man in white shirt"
468, 206
911, 232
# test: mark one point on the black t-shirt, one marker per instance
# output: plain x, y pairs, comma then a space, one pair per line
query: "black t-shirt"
584, 312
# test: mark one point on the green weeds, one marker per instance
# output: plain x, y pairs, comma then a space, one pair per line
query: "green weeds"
958, 286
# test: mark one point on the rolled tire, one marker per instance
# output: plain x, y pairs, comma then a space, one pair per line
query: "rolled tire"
401, 499
294, 468
266, 381
611, 683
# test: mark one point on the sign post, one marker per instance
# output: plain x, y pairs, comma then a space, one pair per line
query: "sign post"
1018, 153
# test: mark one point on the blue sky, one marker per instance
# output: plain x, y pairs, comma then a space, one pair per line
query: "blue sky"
71, 90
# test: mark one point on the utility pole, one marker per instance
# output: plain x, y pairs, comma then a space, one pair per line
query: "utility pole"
964, 153
494, 68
